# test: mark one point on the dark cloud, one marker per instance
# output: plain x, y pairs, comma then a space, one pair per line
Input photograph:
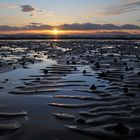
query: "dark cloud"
90, 26
130, 27
9, 28
23, 8
35, 23
30, 9
128, 6
75, 26
36, 27
27, 8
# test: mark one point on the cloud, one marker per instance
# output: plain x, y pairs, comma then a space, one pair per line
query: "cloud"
36, 23
9, 28
75, 26
23, 8
90, 26
130, 27
31, 9
36, 26
125, 7
27, 8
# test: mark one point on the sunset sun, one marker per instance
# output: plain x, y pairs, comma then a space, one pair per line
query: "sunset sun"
55, 32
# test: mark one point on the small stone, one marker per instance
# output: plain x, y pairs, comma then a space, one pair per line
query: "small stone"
23, 63
32, 62
1, 87
97, 65
138, 73
6, 80
14, 67
126, 68
68, 62
121, 129
103, 74
115, 60
93, 87
84, 72
121, 77
91, 61
131, 68
38, 79
45, 71
108, 71
130, 94
124, 63
125, 90
80, 121
138, 85
73, 62
73, 58
75, 68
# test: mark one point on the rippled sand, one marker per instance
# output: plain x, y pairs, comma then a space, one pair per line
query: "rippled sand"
82, 89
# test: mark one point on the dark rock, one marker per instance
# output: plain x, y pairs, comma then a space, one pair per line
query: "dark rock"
73, 58
45, 71
14, 67
1, 87
80, 121
97, 65
91, 61
38, 79
130, 94
115, 60
68, 62
126, 68
121, 129
122, 77
6, 80
125, 90
32, 62
93, 87
138, 73
124, 63
84, 72
73, 62
111, 55
108, 71
131, 68
138, 85
75, 68
25, 67
23, 63
103, 74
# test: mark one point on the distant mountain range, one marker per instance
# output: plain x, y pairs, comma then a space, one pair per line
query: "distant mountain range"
107, 35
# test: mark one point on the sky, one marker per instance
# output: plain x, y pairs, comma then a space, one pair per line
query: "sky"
43, 15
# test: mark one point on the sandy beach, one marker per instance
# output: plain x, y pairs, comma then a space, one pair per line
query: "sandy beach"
69, 89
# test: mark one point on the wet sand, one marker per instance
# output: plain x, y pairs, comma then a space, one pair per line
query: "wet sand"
69, 89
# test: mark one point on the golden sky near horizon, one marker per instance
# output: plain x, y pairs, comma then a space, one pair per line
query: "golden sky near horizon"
35, 16
69, 32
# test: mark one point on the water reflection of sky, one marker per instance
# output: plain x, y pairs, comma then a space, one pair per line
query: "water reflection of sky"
15, 76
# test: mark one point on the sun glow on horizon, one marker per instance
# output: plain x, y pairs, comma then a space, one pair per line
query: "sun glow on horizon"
56, 31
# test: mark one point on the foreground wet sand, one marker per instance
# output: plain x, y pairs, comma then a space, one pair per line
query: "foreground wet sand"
82, 89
